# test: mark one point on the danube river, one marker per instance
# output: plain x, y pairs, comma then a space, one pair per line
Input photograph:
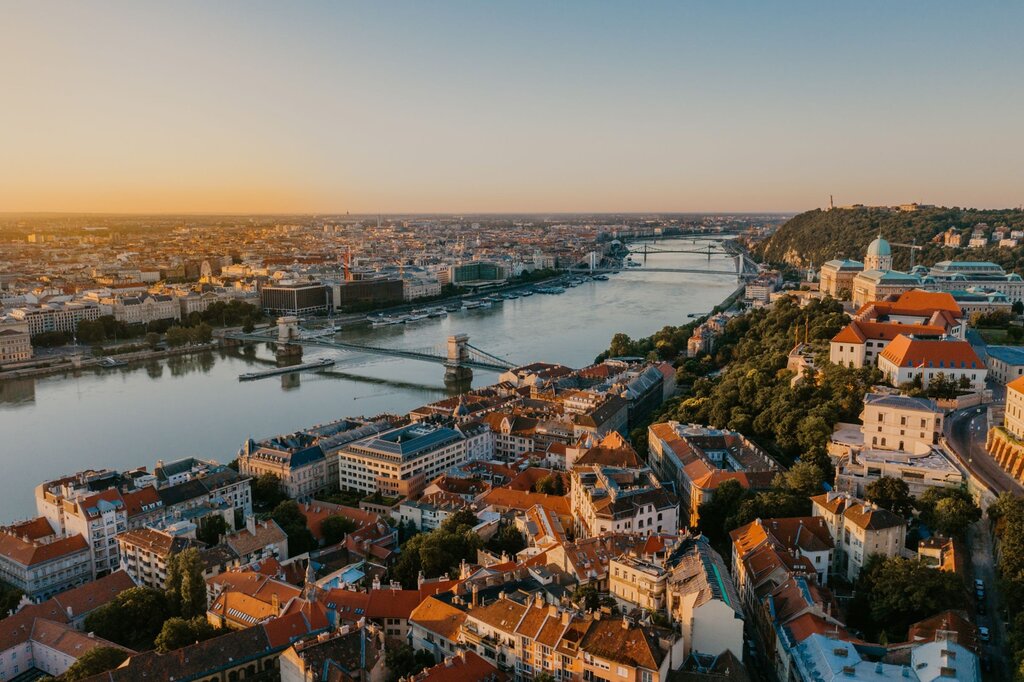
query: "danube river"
195, 405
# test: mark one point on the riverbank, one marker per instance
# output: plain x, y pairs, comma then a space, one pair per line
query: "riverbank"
74, 363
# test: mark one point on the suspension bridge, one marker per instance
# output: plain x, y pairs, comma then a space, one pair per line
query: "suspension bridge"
744, 267
458, 356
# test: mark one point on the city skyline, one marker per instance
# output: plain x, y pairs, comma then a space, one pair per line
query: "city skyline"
463, 108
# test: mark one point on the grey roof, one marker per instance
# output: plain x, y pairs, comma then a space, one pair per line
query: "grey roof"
902, 402
1011, 355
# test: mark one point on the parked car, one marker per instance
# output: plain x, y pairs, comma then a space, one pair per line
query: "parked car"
979, 584
983, 634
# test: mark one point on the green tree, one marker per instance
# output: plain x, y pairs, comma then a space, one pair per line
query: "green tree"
212, 529
177, 336
186, 588
552, 484
335, 528
179, 632
266, 491
93, 662
949, 511
10, 597
507, 539
440, 551
152, 340
803, 479
289, 516
201, 333
132, 619
891, 593
714, 513
587, 597
403, 661
891, 493
769, 504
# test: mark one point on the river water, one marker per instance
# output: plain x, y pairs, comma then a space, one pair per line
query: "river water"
194, 405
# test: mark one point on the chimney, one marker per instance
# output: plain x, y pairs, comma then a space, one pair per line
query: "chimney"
625, 623
476, 595
275, 601
250, 524
566, 617
538, 600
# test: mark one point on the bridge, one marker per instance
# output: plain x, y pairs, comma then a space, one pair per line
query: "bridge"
745, 268
458, 356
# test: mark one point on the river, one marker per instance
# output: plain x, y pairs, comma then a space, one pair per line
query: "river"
194, 404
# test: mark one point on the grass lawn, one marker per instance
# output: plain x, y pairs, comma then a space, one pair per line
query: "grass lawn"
998, 336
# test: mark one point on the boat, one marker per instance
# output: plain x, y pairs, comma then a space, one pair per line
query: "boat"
601, 278
382, 322
398, 319
486, 304
415, 317
495, 298
111, 362
470, 305
527, 292
438, 312
453, 308
511, 297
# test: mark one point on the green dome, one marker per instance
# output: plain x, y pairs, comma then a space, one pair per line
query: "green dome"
879, 247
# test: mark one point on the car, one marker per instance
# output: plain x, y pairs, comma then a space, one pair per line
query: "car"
980, 595
983, 634
979, 584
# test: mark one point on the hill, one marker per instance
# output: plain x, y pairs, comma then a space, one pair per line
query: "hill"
817, 236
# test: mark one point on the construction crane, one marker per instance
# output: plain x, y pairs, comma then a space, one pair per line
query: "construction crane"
912, 246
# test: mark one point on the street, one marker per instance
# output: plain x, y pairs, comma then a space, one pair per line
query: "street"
966, 431
983, 567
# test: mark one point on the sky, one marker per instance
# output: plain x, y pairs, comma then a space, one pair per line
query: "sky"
486, 106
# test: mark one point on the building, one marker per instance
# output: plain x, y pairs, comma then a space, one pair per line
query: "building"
144, 553
56, 317
877, 285
698, 459
477, 272
40, 563
15, 342
907, 357
608, 499
901, 423
143, 308
859, 343
362, 292
351, 653
46, 646
294, 298
918, 307
836, 277
703, 600
859, 530
1006, 442
399, 461
296, 459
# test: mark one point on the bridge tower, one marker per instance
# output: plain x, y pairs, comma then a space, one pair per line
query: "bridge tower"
288, 331
455, 369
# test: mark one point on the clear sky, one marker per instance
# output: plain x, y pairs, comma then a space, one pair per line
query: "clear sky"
490, 106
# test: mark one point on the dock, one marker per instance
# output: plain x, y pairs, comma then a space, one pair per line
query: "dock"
291, 369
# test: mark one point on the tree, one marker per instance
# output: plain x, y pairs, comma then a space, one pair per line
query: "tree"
1017, 307
10, 597
93, 662
178, 632
440, 551
403, 661
769, 504
248, 327
552, 484
212, 529
266, 491
714, 513
152, 340
890, 493
289, 516
803, 478
132, 619
178, 336
587, 597
893, 592
186, 588
507, 540
949, 511
335, 528
201, 333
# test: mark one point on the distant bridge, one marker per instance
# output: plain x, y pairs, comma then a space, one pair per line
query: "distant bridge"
745, 268
458, 356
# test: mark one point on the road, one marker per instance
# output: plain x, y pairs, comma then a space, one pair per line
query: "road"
983, 566
966, 431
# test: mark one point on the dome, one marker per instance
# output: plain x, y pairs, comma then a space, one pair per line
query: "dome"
879, 247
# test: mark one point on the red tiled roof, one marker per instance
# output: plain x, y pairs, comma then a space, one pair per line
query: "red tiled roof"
905, 351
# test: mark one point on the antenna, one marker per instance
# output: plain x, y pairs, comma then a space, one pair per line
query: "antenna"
831, 204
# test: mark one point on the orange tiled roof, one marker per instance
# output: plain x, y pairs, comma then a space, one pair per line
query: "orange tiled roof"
905, 351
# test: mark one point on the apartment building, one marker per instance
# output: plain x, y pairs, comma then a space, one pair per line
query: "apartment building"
698, 459
399, 461
836, 277
40, 563
144, 553
859, 530
1005, 363
860, 343
56, 316
296, 459
608, 499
